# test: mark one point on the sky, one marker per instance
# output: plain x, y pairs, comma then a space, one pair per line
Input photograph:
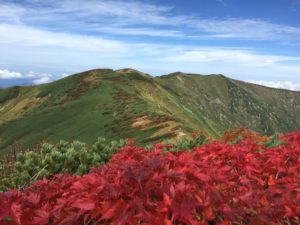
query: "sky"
252, 40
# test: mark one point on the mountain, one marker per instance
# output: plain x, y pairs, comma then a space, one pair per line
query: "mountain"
10, 82
127, 103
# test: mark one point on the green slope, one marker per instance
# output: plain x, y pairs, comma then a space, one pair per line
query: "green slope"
127, 103
224, 103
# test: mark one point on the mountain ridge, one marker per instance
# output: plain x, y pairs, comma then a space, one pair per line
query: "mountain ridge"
163, 75
128, 103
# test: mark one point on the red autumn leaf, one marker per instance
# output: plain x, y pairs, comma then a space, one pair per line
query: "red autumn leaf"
271, 181
208, 213
203, 177
41, 217
167, 200
84, 204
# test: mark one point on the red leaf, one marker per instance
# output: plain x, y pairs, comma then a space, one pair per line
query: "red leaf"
42, 217
84, 204
208, 213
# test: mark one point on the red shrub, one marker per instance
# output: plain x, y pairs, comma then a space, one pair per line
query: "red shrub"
243, 133
215, 184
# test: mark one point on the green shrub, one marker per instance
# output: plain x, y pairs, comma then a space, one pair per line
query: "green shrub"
274, 141
43, 93
74, 157
189, 144
8, 94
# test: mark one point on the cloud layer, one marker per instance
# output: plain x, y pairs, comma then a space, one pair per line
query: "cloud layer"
279, 84
31, 77
5, 74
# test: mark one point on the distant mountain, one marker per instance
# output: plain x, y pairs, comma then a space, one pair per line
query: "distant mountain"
4, 83
128, 103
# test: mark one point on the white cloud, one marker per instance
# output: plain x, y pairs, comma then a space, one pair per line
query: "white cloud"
42, 80
140, 31
37, 75
60, 44
278, 84
249, 29
11, 13
64, 75
247, 57
140, 18
28, 36
132, 10
36, 78
93, 11
5, 74
79, 52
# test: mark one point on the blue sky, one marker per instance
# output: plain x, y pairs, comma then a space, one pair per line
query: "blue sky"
251, 40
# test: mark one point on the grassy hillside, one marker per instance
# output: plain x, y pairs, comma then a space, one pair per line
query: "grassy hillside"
127, 103
221, 103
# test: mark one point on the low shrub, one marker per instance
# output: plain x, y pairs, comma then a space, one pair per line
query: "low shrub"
217, 183
65, 157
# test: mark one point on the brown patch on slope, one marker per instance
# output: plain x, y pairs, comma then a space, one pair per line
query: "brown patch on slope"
141, 122
17, 107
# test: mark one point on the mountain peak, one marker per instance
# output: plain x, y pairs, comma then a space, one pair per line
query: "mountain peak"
178, 73
129, 70
99, 70
132, 71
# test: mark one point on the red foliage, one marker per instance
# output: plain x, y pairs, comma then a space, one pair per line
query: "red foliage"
217, 183
243, 133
